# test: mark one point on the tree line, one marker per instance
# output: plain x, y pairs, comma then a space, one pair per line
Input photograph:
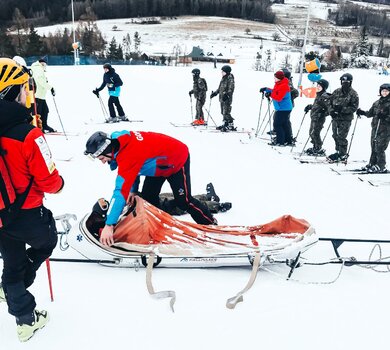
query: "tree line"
43, 12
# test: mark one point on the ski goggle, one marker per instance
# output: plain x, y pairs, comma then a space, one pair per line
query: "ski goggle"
99, 151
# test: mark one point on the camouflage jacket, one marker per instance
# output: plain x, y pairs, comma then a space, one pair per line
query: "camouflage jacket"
343, 104
226, 87
199, 88
321, 105
380, 108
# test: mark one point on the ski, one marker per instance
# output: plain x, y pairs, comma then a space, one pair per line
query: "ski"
60, 133
238, 131
92, 121
324, 161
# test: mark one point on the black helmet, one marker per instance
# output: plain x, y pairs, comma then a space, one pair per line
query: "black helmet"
346, 78
97, 144
323, 83
107, 65
287, 73
226, 69
195, 71
385, 86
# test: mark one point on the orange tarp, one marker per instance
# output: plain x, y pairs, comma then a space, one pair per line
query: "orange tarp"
146, 224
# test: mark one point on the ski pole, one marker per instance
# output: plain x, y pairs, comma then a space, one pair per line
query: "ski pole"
192, 112
62, 125
103, 107
327, 130
258, 119
49, 279
269, 116
350, 143
304, 147
296, 137
209, 116
376, 131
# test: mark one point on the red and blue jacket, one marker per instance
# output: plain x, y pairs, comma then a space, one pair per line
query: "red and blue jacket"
281, 96
142, 154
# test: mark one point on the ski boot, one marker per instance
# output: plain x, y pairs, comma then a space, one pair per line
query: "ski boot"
27, 325
229, 127
197, 122
210, 193
334, 158
223, 126
123, 118
225, 206
376, 169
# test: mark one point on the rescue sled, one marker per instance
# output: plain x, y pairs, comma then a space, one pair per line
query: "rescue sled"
146, 235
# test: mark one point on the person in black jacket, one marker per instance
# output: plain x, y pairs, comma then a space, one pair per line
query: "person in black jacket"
113, 82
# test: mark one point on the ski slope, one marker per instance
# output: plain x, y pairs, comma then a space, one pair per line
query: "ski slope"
98, 307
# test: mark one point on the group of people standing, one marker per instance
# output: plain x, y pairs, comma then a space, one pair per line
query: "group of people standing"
341, 106
225, 91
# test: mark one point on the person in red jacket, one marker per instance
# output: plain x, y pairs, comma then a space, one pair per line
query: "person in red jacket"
281, 97
33, 173
158, 157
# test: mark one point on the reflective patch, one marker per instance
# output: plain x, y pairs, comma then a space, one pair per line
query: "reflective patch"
181, 192
46, 153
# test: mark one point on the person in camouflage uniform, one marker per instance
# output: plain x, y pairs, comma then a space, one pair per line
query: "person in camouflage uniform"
343, 104
319, 110
167, 203
225, 91
380, 132
199, 91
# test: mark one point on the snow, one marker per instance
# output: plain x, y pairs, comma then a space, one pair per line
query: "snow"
99, 307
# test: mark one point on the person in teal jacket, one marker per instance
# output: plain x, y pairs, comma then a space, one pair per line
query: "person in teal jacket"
38, 69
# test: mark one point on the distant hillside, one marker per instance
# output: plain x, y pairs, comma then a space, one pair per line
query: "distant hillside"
43, 12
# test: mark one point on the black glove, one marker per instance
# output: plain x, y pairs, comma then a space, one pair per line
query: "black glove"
225, 97
213, 94
360, 112
262, 90
96, 92
308, 108
52, 91
190, 92
267, 94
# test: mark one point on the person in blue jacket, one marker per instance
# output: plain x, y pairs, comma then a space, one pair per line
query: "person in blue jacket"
281, 98
113, 82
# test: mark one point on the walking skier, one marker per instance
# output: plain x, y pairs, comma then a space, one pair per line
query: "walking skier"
281, 98
318, 112
26, 221
380, 132
112, 80
158, 157
225, 91
38, 69
199, 89
343, 104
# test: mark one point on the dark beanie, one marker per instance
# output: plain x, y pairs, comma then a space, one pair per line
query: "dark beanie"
279, 75
12, 93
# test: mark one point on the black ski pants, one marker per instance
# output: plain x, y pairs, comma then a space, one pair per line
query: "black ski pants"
36, 228
180, 183
43, 111
282, 126
114, 100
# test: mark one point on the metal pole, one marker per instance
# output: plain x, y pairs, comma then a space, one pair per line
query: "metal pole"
75, 53
304, 46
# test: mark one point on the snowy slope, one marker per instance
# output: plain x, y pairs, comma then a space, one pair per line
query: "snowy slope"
98, 307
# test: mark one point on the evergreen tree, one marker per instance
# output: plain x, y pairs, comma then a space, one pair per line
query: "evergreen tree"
137, 43
35, 46
112, 49
359, 57
126, 45
6, 47
20, 24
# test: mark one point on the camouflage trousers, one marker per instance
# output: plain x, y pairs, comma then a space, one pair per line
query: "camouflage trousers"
316, 126
340, 129
226, 108
379, 142
199, 108
167, 203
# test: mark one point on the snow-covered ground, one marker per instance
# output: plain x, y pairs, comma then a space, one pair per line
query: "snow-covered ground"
99, 307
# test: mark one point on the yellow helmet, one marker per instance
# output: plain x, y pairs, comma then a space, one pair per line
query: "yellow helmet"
11, 73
